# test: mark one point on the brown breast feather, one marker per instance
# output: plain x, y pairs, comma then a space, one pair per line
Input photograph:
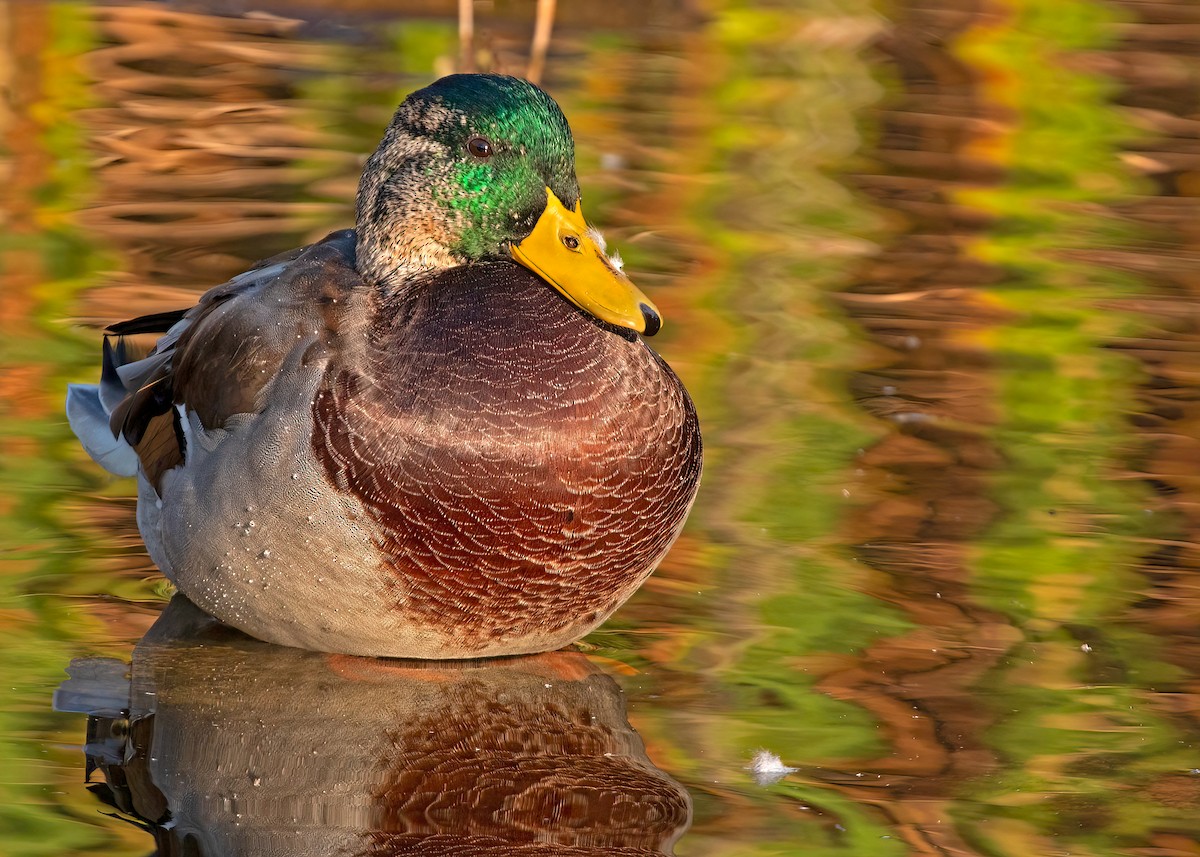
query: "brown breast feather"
524, 464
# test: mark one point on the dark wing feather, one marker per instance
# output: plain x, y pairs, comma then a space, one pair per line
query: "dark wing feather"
214, 358
157, 322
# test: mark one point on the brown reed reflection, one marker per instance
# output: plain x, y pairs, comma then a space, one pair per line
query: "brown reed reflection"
201, 142
219, 744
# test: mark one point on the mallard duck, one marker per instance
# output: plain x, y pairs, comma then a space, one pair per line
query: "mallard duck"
437, 435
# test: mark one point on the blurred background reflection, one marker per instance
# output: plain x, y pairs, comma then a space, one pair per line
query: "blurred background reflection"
930, 269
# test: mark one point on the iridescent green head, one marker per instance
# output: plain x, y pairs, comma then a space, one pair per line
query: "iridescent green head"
478, 167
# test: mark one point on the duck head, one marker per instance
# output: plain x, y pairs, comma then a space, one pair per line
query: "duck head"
480, 167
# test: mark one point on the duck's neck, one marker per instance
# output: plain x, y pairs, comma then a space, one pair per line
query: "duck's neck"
391, 261
403, 232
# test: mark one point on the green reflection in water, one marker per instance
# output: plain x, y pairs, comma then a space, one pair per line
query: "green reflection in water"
1074, 718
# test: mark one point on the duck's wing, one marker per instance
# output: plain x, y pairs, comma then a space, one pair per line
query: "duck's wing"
213, 359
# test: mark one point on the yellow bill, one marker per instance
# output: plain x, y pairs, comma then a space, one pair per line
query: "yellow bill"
563, 252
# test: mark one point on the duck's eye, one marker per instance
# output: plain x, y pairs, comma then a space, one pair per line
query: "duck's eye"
480, 147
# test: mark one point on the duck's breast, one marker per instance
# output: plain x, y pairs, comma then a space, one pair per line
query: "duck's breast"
525, 466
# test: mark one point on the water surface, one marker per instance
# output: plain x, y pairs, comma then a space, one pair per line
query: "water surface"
929, 272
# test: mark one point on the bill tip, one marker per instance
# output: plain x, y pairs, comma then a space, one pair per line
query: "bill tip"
652, 318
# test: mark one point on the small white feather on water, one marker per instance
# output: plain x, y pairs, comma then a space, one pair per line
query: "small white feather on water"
768, 768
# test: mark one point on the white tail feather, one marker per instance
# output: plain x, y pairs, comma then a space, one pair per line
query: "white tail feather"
89, 421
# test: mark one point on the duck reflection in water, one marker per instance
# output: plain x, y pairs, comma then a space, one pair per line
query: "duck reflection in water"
224, 745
